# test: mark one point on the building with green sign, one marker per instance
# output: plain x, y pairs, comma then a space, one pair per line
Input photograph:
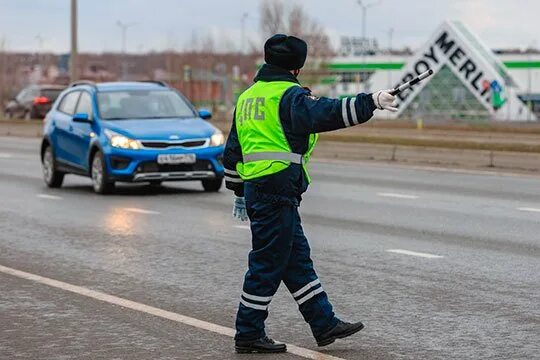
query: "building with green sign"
471, 82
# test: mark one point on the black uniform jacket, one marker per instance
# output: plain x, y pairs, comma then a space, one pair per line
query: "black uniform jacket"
301, 114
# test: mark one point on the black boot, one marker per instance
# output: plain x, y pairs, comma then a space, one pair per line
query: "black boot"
340, 331
262, 345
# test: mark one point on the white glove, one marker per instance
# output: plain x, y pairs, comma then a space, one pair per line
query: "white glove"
239, 209
384, 100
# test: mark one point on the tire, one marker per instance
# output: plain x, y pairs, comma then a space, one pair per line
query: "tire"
33, 114
212, 185
100, 178
53, 178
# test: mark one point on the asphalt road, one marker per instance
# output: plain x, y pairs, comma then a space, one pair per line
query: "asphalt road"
437, 264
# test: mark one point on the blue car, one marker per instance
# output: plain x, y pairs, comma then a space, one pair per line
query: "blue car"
130, 132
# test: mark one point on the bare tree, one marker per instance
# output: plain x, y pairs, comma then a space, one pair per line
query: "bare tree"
294, 20
272, 17
208, 44
276, 17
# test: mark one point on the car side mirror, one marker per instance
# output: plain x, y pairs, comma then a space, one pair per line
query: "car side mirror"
82, 118
205, 114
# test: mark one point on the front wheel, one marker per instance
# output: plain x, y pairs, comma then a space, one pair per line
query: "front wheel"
212, 185
100, 177
53, 178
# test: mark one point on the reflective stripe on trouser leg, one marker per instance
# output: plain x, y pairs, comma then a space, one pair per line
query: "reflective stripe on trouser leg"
255, 302
232, 176
304, 285
271, 225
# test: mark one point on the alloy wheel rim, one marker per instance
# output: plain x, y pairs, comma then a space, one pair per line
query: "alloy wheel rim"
97, 173
47, 166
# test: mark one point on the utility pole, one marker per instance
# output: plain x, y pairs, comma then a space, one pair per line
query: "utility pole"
243, 40
74, 58
123, 28
39, 55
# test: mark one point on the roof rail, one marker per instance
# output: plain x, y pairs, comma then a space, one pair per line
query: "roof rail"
82, 82
159, 82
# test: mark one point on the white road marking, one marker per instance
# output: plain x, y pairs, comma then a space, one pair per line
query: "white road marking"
414, 253
529, 209
245, 227
183, 319
141, 211
49, 197
398, 196
5, 156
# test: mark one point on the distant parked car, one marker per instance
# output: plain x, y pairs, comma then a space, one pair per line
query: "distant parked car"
130, 132
33, 102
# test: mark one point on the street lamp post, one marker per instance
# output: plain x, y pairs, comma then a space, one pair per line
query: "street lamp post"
529, 80
390, 37
365, 7
243, 40
123, 28
2, 69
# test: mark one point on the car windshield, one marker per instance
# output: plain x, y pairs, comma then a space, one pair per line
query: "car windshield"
142, 104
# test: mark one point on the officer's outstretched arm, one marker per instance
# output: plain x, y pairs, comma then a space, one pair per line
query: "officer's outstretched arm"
231, 156
310, 114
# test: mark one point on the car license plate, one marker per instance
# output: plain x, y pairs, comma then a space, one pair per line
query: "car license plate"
176, 159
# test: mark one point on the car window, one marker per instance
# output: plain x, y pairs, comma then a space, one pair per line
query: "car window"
28, 94
85, 104
69, 102
51, 94
143, 104
22, 95
33, 92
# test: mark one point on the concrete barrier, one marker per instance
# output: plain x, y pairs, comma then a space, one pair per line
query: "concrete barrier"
485, 159
521, 161
21, 128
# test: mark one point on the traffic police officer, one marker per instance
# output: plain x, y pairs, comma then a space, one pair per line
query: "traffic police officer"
275, 128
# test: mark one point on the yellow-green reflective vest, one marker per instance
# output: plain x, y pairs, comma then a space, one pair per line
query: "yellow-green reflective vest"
265, 149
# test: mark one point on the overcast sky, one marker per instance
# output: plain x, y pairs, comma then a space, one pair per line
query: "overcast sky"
160, 24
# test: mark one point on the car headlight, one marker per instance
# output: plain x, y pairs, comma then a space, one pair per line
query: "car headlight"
217, 139
120, 141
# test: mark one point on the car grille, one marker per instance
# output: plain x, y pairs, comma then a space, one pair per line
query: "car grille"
180, 143
153, 167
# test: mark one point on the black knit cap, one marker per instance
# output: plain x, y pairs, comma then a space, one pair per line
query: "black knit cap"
287, 52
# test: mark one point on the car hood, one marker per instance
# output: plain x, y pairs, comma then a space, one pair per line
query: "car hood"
162, 129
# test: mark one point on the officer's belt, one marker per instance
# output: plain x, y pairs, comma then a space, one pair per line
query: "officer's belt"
275, 156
